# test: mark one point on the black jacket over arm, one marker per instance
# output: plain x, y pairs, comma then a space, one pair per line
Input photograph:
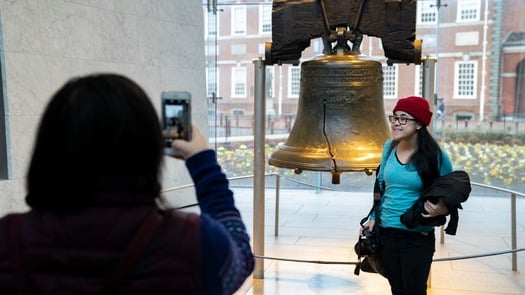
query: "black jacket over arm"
453, 189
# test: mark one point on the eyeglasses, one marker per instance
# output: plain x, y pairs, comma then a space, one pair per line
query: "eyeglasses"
401, 120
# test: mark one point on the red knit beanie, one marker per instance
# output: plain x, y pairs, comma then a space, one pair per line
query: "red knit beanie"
415, 106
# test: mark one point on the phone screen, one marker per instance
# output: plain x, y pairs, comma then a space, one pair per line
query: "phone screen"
176, 121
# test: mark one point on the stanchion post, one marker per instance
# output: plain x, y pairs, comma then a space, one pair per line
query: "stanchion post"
514, 242
429, 70
277, 192
259, 166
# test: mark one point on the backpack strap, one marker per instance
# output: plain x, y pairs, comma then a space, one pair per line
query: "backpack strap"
140, 241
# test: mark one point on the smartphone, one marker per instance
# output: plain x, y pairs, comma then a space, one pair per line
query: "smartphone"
176, 118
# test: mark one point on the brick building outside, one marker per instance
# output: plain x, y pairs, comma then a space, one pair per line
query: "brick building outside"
480, 68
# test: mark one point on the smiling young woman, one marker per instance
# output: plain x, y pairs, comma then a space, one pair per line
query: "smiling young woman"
411, 161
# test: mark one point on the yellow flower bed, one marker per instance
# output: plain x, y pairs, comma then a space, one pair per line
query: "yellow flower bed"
499, 165
491, 164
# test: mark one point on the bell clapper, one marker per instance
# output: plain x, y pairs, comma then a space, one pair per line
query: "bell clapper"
336, 177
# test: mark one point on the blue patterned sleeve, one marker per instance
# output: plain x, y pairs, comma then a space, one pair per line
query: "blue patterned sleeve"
227, 255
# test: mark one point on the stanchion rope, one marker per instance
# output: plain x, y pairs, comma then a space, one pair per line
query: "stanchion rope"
354, 262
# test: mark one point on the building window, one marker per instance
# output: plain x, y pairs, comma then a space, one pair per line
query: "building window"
418, 87
212, 50
390, 81
294, 81
465, 81
262, 49
239, 20
265, 18
270, 81
468, 10
212, 76
317, 45
427, 12
239, 82
210, 25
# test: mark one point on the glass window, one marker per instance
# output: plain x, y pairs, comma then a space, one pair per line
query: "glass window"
239, 82
317, 45
270, 81
418, 87
262, 49
465, 81
294, 74
265, 18
468, 10
475, 72
210, 25
390, 81
212, 77
427, 12
239, 20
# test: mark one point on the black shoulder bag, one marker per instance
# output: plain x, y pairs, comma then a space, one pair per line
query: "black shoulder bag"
370, 243
369, 246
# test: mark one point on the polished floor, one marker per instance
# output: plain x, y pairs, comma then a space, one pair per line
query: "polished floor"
323, 226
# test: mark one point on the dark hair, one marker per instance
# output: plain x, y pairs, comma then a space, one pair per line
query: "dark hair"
427, 157
99, 133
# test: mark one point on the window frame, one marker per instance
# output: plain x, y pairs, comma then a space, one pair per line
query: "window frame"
265, 18
207, 24
238, 20
239, 77
458, 79
212, 84
270, 93
424, 7
418, 79
294, 83
393, 94
465, 5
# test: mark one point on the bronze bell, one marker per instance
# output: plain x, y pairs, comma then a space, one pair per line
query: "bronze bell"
341, 124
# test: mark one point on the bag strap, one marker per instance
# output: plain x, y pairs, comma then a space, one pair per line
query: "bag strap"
377, 199
17, 258
140, 241
379, 188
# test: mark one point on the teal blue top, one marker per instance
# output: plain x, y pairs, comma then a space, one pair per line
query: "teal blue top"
403, 187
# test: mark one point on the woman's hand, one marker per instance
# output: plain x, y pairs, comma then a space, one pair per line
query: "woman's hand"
369, 224
189, 148
440, 208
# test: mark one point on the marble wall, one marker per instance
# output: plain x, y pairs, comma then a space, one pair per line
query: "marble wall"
158, 43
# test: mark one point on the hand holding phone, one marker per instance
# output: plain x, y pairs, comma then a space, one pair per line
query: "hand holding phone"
176, 119
197, 144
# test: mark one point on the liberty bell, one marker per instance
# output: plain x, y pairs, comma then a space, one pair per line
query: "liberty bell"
341, 124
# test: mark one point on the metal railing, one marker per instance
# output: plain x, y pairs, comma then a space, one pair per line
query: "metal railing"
514, 246
513, 219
